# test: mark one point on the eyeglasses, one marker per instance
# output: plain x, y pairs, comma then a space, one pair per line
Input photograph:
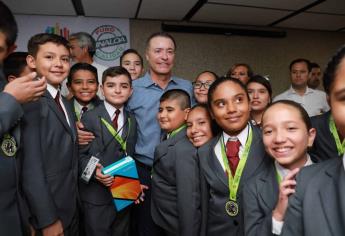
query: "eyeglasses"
198, 85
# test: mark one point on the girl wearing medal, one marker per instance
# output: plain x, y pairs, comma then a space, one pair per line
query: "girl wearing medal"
229, 159
287, 134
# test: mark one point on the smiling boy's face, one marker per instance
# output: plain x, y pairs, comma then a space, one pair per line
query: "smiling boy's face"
170, 115
51, 61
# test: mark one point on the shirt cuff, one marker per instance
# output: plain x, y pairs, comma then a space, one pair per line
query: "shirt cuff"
277, 226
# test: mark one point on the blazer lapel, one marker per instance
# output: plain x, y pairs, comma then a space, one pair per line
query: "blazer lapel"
330, 199
107, 136
269, 188
55, 109
214, 164
71, 117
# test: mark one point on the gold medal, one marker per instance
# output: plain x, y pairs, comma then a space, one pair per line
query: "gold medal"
231, 208
9, 145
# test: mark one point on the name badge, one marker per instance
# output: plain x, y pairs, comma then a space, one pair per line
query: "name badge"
89, 169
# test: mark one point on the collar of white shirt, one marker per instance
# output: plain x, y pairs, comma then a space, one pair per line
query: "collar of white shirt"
111, 109
307, 91
283, 171
52, 90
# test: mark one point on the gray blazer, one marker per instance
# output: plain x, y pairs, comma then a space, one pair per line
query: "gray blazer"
260, 197
324, 146
49, 162
215, 190
175, 201
318, 206
95, 192
10, 114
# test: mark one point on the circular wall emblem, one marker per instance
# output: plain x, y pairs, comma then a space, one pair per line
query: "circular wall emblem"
110, 42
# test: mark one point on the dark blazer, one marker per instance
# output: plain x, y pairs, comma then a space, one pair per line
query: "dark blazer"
95, 102
175, 201
215, 190
95, 192
324, 146
318, 206
49, 162
10, 114
260, 197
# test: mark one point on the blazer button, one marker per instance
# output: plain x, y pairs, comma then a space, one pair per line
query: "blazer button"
235, 222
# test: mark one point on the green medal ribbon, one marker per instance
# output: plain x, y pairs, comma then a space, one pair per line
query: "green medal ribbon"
279, 178
78, 113
234, 182
174, 132
116, 134
333, 129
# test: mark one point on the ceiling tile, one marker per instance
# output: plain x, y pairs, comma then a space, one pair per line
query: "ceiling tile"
114, 8
314, 21
237, 15
277, 4
41, 7
165, 9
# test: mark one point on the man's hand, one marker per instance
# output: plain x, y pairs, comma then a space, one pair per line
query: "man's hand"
84, 137
54, 229
106, 180
25, 88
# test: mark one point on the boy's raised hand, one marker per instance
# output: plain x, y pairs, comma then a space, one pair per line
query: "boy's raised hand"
26, 88
84, 137
54, 229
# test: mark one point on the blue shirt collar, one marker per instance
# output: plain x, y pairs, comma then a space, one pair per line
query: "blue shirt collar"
147, 81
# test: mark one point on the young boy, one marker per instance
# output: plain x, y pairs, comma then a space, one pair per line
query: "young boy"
82, 83
15, 66
175, 185
111, 124
49, 163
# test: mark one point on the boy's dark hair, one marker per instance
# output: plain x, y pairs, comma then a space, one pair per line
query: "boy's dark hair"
249, 69
332, 68
177, 94
314, 65
116, 71
128, 51
160, 34
304, 115
15, 64
85, 40
263, 81
300, 60
81, 66
218, 82
8, 25
40, 39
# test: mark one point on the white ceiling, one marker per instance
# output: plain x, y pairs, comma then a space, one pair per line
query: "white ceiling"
326, 15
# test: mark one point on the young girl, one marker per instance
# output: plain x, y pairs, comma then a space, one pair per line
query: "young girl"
228, 160
287, 134
200, 128
133, 62
317, 208
201, 85
260, 94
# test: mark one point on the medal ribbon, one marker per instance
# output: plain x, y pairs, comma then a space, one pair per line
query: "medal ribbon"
279, 178
174, 132
234, 181
333, 129
116, 134
78, 113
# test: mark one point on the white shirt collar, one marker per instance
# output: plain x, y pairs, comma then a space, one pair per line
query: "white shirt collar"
283, 171
52, 90
242, 137
79, 106
111, 109
307, 90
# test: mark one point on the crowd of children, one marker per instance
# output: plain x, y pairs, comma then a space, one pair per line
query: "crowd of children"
234, 163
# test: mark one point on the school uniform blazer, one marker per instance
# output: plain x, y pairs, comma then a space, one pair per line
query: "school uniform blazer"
106, 148
215, 190
324, 146
49, 162
318, 206
95, 102
10, 114
175, 201
260, 197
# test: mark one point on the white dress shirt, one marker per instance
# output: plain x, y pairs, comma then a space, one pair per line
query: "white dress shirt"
111, 111
53, 92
